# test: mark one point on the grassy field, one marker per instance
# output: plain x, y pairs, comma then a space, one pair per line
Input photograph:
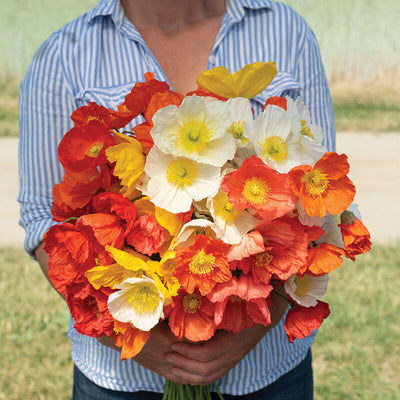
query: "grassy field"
356, 354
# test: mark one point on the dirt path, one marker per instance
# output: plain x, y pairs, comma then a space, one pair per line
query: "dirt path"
374, 168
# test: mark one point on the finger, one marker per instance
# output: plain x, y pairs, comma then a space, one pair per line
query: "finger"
209, 371
206, 351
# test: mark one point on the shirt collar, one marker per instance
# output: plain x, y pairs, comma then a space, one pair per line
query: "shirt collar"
236, 8
105, 8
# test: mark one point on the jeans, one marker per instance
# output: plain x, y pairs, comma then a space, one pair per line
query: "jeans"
297, 384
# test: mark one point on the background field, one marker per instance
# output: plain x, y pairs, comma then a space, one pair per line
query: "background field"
358, 40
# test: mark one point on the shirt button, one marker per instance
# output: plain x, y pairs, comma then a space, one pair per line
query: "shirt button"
211, 59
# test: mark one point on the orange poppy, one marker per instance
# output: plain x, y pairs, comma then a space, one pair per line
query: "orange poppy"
324, 188
356, 237
202, 265
257, 186
191, 316
323, 258
301, 321
130, 339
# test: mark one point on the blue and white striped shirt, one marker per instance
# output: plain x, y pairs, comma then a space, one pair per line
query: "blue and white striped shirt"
99, 57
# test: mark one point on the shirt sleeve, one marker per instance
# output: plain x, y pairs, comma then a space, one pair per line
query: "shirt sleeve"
315, 93
46, 103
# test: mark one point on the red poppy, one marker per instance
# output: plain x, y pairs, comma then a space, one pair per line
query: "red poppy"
241, 303
89, 309
301, 321
276, 101
257, 186
70, 255
103, 229
116, 204
84, 147
137, 100
147, 235
83, 115
204, 93
191, 316
202, 265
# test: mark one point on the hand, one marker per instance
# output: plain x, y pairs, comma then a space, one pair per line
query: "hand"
204, 363
153, 356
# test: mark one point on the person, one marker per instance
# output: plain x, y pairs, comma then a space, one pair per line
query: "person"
99, 57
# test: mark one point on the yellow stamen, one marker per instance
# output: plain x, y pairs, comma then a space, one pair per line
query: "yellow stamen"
202, 264
302, 285
255, 190
263, 259
275, 148
305, 129
193, 136
316, 182
191, 303
144, 298
223, 208
94, 150
181, 172
236, 130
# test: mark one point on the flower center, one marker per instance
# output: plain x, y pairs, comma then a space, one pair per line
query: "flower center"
223, 208
316, 182
235, 299
191, 303
236, 130
275, 148
255, 190
94, 150
144, 298
181, 172
202, 264
193, 137
302, 285
263, 259
305, 129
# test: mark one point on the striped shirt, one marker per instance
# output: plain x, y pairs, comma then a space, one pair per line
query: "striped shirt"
99, 57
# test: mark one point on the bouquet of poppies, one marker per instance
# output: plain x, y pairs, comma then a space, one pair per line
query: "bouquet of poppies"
197, 214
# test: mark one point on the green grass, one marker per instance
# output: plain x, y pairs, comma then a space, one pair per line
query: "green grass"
367, 117
34, 355
356, 353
